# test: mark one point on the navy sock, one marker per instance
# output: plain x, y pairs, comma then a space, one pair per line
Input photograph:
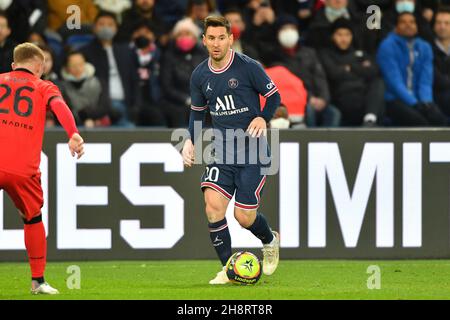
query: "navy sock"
221, 239
261, 229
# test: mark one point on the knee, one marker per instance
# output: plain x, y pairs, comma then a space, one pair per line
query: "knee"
214, 212
246, 220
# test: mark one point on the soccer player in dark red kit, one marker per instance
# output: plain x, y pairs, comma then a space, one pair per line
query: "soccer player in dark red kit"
24, 102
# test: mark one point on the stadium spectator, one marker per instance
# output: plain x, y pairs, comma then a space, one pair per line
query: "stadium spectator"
406, 62
292, 91
114, 6
374, 26
441, 48
182, 56
142, 10
225, 5
303, 10
147, 56
50, 75
115, 68
57, 13
304, 63
241, 38
83, 91
25, 16
356, 88
171, 12
49, 72
6, 44
260, 21
429, 7
198, 10
320, 26
411, 6
37, 39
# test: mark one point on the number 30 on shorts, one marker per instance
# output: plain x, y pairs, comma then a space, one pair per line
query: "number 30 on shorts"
212, 174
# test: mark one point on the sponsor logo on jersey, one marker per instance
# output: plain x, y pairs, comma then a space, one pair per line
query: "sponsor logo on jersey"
226, 107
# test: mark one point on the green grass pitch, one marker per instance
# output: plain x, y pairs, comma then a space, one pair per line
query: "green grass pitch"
173, 280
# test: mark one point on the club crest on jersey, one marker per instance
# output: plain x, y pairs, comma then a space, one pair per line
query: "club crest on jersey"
233, 83
228, 105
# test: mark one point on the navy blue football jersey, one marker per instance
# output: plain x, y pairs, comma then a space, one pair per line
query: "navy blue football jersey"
231, 95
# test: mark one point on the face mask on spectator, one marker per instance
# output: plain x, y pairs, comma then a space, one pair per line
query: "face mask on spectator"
106, 33
142, 42
236, 32
288, 38
334, 14
405, 6
185, 43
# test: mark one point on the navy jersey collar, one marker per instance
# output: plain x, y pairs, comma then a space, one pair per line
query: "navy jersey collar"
227, 66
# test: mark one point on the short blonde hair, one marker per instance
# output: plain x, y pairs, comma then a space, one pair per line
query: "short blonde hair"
26, 52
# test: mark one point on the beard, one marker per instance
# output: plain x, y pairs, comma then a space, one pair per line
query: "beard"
220, 57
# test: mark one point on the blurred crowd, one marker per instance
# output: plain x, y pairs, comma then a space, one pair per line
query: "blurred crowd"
336, 62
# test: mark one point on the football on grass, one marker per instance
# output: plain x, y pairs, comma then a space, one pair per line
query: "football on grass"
243, 268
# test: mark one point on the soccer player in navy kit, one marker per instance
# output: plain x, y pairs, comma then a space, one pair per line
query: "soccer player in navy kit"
228, 85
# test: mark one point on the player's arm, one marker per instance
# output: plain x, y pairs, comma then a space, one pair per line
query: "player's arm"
65, 117
196, 121
258, 126
264, 86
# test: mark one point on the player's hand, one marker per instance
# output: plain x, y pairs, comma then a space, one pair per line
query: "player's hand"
188, 153
76, 146
257, 127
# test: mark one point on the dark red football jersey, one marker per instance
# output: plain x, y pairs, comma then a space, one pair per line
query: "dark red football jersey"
24, 101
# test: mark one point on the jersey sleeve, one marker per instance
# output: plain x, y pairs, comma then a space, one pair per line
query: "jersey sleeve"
198, 100
49, 91
260, 80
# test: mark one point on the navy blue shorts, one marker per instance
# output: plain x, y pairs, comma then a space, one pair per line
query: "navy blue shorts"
245, 182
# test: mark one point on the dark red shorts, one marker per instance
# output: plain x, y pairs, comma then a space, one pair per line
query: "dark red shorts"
25, 192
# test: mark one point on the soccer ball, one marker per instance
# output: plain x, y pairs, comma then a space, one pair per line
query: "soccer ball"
243, 268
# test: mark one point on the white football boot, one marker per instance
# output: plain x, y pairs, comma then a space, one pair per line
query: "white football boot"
43, 288
221, 277
271, 254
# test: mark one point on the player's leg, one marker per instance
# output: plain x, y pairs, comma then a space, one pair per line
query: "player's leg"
27, 195
215, 208
218, 192
249, 188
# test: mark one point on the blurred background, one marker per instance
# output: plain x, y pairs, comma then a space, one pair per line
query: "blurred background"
337, 63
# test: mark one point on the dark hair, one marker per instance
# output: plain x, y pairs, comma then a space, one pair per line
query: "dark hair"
104, 13
210, 3
46, 48
231, 10
341, 23
69, 53
143, 23
442, 9
217, 21
397, 19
